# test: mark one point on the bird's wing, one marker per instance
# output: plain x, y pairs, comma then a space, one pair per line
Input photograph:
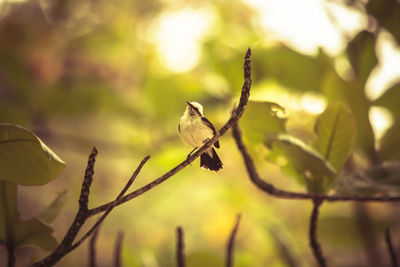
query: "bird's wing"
209, 124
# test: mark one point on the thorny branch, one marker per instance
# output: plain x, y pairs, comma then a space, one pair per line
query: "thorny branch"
84, 213
231, 243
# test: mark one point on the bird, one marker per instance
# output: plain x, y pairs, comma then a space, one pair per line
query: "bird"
195, 130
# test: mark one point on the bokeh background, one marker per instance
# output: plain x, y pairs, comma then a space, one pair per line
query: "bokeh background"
116, 75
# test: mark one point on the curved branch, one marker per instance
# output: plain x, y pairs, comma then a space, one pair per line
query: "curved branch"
237, 113
272, 190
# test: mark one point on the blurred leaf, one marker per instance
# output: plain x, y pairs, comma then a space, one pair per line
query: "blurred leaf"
336, 132
25, 159
381, 179
262, 118
301, 162
328, 229
361, 53
21, 232
389, 148
8, 210
34, 232
52, 211
338, 90
390, 100
200, 259
387, 12
290, 68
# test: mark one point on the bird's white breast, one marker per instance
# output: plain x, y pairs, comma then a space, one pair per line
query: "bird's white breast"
193, 131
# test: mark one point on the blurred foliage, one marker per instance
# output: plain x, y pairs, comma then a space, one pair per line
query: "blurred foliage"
84, 73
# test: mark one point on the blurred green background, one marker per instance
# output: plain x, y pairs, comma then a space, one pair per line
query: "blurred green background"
116, 75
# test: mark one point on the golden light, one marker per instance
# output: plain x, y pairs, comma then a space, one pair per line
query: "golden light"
381, 120
313, 103
178, 35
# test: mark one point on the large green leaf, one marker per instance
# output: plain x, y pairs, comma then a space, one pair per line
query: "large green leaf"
387, 12
52, 211
390, 100
301, 162
338, 90
362, 56
262, 118
25, 159
34, 232
336, 132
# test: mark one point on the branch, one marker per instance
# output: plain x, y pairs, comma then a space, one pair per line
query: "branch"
84, 213
180, 248
118, 249
316, 248
232, 120
272, 190
231, 243
390, 247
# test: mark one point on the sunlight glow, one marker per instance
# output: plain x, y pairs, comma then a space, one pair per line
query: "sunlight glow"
388, 70
307, 24
381, 120
177, 36
313, 103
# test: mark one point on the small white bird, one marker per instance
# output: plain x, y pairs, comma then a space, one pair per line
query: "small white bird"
195, 130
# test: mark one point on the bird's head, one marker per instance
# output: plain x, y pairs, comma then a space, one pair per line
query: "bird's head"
194, 109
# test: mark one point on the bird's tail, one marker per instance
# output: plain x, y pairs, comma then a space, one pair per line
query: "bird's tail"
212, 163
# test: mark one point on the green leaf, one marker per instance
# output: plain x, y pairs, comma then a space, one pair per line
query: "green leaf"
34, 232
25, 159
290, 68
262, 118
387, 12
52, 211
390, 100
337, 90
383, 179
8, 210
301, 162
361, 53
336, 132
389, 148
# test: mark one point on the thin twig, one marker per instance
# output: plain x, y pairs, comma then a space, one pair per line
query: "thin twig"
180, 248
92, 249
231, 243
118, 249
105, 214
315, 246
83, 213
272, 190
389, 244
